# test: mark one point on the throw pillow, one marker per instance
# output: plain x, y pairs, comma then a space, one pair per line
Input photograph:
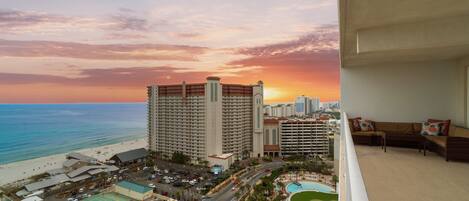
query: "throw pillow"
355, 124
445, 125
367, 125
431, 128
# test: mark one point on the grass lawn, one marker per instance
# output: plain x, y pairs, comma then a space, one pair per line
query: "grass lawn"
314, 196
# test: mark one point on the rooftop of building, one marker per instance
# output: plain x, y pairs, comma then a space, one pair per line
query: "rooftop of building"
222, 156
301, 120
131, 155
271, 121
208, 78
81, 157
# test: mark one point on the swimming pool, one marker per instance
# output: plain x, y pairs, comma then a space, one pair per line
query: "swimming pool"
216, 169
108, 197
293, 187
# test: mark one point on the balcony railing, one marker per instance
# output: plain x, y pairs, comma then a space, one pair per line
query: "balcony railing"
351, 185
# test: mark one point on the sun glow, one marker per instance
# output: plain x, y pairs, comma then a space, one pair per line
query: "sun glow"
272, 93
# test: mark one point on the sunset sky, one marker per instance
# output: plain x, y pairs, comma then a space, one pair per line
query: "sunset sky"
54, 51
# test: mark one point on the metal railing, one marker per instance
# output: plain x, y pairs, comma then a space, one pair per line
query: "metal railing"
351, 185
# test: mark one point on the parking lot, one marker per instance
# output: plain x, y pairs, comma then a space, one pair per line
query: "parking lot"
184, 182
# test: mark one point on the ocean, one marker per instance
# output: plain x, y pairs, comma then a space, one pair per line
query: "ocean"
30, 131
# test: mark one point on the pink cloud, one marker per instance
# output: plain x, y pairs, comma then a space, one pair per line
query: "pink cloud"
124, 77
107, 52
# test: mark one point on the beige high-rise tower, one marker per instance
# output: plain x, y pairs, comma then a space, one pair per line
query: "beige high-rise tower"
204, 120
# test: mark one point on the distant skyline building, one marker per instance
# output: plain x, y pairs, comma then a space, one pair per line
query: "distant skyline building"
330, 105
305, 105
279, 110
206, 121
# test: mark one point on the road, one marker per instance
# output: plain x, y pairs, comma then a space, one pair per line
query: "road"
226, 194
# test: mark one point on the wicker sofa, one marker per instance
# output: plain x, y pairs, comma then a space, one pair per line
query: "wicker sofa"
397, 134
455, 146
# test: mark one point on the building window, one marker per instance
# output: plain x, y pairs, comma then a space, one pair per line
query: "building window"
266, 136
258, 117
216, 91
300, 107
211, 92
274, 136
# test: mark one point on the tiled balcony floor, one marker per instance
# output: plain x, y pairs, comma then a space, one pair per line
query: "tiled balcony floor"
403, 174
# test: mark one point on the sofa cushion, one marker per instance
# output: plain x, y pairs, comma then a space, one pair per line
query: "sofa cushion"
367, 125
417, 127
433, 129
445, 125
354, 124
367, 133
394, 128
439, 140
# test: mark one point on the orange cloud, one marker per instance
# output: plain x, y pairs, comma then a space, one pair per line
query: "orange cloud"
306, 66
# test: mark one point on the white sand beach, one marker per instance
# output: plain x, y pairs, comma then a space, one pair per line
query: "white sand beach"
23, 169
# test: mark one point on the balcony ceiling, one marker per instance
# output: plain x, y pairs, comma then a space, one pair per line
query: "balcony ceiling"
377, 31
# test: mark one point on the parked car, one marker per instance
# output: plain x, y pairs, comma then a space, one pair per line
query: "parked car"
177, 184
193, 182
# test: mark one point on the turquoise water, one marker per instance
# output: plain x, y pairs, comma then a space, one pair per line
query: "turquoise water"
308, 185
34, 130
216, 169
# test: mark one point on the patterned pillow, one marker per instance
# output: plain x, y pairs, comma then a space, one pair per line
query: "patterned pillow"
444, 125
367, 125
431, 128
355, 124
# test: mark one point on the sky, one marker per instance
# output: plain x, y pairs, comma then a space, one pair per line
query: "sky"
55, 51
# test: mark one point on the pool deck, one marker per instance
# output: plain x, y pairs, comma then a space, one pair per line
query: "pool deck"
306, 190
407, 175
316, 186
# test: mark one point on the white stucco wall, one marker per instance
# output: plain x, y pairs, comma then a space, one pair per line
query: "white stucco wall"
258, 120
213, 114
410, 92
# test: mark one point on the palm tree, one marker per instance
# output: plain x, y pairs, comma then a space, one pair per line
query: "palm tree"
237, 194
282, 186
335, 179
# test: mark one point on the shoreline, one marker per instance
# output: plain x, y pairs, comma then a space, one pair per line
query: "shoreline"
111, 142
19, 170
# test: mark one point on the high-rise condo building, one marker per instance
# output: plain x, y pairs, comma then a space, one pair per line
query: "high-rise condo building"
209, 121
296, 137
304, 137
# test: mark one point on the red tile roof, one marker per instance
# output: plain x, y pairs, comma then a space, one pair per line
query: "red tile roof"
271, 147
270, 121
